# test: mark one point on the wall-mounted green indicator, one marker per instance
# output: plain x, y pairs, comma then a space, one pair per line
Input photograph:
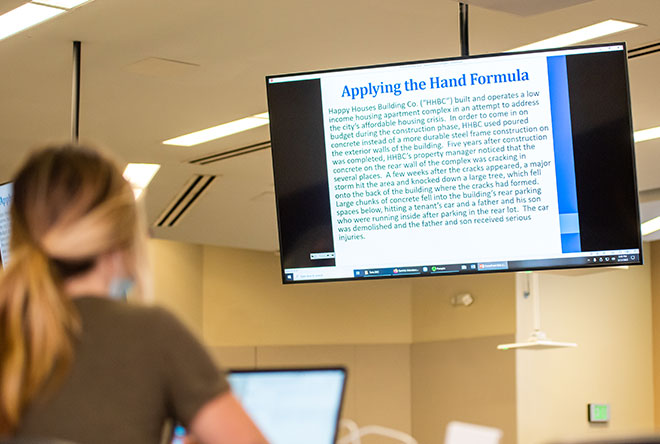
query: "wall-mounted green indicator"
599, 413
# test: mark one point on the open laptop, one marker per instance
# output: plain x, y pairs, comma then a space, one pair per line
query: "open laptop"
289, 405
292, 406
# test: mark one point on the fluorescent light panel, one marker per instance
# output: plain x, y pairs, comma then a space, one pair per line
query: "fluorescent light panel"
647, 134
651, 226
25, 17
580, 35
216, 132
139, 175
33, 13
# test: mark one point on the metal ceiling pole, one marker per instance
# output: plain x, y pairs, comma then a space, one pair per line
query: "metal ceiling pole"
463, 20
75, 94
535, 293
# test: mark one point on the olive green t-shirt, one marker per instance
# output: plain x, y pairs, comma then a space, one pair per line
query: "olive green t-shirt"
134, 367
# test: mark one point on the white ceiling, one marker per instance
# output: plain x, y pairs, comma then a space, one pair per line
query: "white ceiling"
130, 104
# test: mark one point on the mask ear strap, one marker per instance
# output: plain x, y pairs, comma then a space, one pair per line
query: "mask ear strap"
119, 288
120, 283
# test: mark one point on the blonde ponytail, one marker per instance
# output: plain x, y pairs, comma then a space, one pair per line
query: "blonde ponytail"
70, 205
37, 327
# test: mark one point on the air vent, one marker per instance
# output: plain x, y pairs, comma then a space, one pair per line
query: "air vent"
644, 50
211, 158
183, 202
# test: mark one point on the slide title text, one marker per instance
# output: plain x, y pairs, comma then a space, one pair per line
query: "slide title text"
373, 90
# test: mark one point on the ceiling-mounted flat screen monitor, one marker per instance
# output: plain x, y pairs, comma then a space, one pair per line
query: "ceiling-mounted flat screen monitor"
5, 202
506, 162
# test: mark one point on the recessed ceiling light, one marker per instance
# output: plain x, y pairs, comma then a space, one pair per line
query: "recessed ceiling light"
25, 17
647, 134
216, 132
651, 226
139, 175
580, 35
65, 4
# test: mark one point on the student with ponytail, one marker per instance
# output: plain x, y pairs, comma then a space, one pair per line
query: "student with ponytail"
76, 363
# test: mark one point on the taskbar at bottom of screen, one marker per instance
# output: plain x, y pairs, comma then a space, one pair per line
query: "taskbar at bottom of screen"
473, 267
519, 265
591, 259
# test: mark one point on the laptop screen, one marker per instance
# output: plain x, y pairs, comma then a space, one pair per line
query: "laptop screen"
292, 406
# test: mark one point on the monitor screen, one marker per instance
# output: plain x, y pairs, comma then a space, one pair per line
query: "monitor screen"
299, 406
505, 162
5, 202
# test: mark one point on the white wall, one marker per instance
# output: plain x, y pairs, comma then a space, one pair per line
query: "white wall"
655, 286
491, 314
458, 373
246, 303
177, 279
608, 313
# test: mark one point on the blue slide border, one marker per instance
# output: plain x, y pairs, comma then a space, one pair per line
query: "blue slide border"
562, 135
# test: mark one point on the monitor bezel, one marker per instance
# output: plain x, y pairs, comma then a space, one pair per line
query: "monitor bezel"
640, 255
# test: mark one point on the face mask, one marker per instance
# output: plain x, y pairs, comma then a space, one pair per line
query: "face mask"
119, 288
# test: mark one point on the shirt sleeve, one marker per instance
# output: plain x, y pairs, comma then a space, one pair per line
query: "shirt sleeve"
190, 377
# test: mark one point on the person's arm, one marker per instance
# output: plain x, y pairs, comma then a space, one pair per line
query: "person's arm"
222, 420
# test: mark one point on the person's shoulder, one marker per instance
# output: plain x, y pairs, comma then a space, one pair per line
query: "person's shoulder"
140, 316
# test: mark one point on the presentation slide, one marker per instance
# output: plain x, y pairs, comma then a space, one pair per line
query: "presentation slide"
463, 165
5, 202
462, 162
